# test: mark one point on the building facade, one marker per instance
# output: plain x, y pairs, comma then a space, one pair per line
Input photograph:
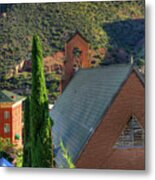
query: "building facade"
118, 141
11, 117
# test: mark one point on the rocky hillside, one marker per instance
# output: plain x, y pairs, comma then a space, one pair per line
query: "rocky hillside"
114, 26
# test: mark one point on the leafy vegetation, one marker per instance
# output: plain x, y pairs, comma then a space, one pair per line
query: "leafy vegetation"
4, 145
19, 158
40, 123
56, 22
9, 151
66, 156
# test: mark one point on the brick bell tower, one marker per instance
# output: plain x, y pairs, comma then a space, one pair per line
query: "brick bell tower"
76, 57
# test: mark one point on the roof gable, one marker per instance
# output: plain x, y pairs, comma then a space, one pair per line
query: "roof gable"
77, 33
78, 111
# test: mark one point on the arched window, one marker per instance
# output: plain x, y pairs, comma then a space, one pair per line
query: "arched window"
132, 136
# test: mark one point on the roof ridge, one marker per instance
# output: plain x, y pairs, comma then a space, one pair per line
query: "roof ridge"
106, 66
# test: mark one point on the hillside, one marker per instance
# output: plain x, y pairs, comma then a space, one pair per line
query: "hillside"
5, 7
102, 23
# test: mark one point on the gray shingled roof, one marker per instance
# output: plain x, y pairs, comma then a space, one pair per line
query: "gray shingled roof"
79, 109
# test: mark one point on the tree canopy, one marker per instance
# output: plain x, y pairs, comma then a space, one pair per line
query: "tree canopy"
40, 121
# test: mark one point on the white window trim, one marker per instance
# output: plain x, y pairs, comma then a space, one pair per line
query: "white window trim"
8, 130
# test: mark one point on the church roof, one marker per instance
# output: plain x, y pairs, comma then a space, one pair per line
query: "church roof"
7, 96
80, 108
76, 33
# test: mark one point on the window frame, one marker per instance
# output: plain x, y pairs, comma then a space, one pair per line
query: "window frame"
6, 115
8, 130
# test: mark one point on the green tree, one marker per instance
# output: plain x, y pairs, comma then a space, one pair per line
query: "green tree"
7, 149
27, 135
42, 153
4, 145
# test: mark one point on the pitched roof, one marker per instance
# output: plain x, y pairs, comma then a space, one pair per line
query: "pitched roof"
7, 96
76, 33
80, 108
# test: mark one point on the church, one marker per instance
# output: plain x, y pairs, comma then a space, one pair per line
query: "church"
100, 115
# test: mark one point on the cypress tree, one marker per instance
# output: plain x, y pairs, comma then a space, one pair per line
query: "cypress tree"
41, 150
27, 135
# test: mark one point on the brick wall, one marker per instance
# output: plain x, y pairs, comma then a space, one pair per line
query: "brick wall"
126, 159
15, 122
99, 152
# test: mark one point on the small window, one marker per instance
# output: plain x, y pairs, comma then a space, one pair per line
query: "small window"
131, 136
6, 115
6, 128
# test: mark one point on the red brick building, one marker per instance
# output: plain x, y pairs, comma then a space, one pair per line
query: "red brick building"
100, 114
76, 57
11, 117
